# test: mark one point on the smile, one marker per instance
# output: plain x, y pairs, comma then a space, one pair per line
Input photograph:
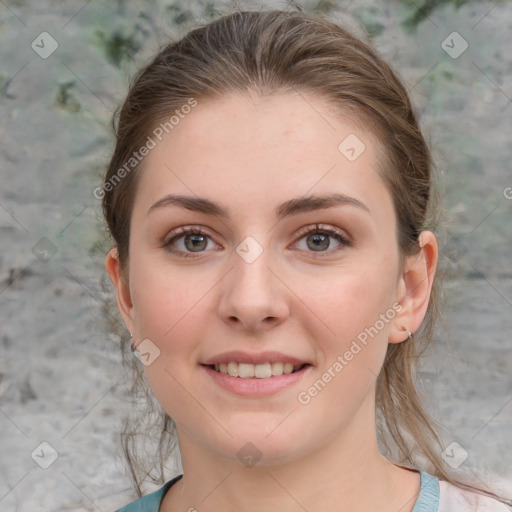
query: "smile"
258, 371
256, 380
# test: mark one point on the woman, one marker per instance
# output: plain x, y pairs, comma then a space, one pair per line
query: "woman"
271, 203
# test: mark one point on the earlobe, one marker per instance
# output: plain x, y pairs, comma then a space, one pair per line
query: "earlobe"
414, 288
122, 289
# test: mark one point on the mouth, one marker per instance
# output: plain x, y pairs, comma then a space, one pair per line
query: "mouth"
256, 371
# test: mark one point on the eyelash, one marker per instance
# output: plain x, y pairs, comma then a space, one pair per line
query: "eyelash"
317, 228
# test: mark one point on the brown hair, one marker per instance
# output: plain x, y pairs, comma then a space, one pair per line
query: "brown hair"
278, 52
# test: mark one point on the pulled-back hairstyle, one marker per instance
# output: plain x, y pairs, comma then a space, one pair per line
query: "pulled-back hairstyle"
276, 52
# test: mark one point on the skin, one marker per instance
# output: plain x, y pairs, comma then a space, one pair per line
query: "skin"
251, 154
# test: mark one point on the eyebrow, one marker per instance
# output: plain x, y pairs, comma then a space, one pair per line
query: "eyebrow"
286, 209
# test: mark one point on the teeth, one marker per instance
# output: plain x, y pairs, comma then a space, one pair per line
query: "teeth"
277, 368
288, 368
233, 369
259, 371
246, 371
262, 371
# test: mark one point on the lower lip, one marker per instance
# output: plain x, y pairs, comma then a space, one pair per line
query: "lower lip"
256, 387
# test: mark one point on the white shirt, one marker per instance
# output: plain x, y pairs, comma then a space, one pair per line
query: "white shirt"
441, 496
454, 499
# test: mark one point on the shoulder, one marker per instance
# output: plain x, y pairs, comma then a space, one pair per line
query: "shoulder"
455, 499
150, 502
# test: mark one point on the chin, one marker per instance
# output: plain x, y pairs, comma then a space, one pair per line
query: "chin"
258, 441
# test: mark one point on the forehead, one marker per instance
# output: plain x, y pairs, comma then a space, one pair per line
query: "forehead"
251, 150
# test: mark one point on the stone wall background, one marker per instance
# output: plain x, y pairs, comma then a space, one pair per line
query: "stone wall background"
61, 377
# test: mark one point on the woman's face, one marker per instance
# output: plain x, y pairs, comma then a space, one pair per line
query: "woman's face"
282, 272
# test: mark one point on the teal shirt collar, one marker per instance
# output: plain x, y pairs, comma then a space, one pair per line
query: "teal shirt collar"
428, 498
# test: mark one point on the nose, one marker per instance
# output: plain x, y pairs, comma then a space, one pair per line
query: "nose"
254, 297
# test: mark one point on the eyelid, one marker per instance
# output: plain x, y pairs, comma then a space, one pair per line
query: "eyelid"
343, 239
180, 232
185, 230
326, 228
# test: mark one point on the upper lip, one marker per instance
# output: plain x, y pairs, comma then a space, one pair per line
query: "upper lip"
256, 358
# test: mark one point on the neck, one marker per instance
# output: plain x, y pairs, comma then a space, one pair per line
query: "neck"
347, 473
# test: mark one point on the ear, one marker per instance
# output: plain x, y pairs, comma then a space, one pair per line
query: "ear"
414, 288
122, 289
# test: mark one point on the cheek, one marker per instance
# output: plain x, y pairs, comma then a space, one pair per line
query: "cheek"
166, 299
171, 309
355, 309
346, 300
353, 356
